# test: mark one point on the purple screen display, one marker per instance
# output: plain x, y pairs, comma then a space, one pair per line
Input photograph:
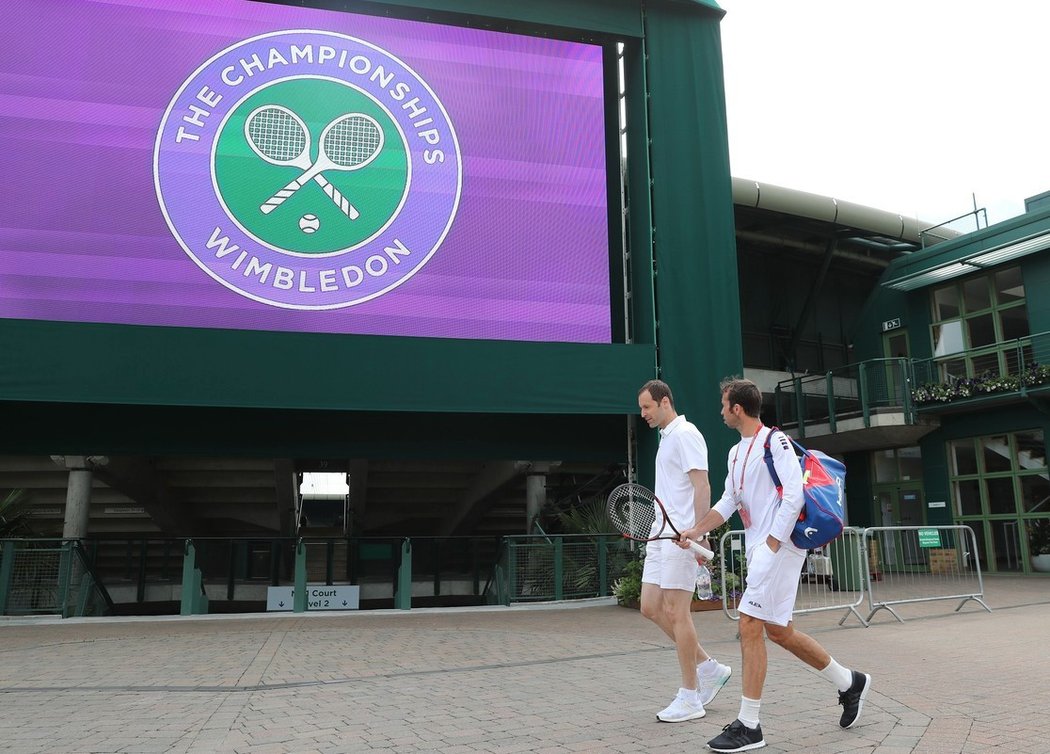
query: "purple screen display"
245, 165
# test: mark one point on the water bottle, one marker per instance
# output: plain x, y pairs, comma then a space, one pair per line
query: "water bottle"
703, 584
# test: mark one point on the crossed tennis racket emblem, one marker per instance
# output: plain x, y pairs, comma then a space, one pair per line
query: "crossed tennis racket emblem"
280, 137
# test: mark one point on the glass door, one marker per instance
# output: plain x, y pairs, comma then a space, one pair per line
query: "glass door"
901, 505
895, 346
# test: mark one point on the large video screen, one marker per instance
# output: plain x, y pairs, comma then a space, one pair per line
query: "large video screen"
246, 165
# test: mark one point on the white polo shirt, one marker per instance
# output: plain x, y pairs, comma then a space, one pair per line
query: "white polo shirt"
682, 449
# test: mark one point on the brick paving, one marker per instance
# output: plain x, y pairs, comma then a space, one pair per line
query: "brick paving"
505, 680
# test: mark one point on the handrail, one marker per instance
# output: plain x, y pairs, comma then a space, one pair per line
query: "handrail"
852, 391
908, 385
1020, 363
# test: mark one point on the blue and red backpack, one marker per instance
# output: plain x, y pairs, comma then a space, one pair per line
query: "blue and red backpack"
823, 493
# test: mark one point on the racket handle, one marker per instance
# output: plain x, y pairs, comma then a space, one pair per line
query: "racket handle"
334, 194
279, 198
700, 550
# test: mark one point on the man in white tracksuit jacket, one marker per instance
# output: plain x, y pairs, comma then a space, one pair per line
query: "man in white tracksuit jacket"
774, 565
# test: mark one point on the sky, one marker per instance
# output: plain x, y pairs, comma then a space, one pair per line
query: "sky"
916, 107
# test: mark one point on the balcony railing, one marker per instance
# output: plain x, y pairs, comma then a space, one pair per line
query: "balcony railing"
855, 391
1012, 367
907, 386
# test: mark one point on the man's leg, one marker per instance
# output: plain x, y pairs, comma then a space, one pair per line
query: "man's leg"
753, 653
652, 607
853, 685
679, 619
745, 733
803, 646
672, 604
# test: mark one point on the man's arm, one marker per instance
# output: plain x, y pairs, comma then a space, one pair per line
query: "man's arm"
711, 520
786, 463
701, 495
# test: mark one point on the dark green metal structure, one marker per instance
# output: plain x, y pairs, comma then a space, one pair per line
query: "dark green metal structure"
69, 388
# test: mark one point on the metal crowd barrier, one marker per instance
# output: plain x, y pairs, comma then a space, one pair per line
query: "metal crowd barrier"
890, 565
922, 564
833, 577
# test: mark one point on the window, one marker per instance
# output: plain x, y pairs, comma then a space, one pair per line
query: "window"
897, 465
1001, 482
976, 323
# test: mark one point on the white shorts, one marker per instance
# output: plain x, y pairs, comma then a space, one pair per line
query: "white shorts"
669, 566
772, 583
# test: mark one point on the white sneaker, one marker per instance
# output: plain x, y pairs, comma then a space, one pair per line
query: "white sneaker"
681, 710
709, 685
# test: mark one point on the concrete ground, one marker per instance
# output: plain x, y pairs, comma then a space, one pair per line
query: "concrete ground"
558, 678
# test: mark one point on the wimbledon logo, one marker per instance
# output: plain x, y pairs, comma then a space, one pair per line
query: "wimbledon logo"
307, 170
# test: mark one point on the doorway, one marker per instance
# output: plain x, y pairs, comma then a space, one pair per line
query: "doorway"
901, 505
895, 346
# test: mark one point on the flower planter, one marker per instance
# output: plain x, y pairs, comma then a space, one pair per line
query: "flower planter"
701, 606
1041, 563
697, 606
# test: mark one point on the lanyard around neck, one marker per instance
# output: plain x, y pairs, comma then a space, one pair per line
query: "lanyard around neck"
743, 469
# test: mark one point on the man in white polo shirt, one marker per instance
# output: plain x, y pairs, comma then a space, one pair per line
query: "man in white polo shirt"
669, 574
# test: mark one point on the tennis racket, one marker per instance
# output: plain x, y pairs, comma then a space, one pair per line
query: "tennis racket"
633, 509
347, 143
280, 137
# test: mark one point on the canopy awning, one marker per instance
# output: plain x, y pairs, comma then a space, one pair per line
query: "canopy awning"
978, 259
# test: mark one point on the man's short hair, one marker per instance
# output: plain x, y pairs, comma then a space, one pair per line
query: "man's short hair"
658, 389
743, 392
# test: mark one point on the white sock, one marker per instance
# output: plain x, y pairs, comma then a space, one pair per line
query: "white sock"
749, 711
690, 695
707, 667
840, 676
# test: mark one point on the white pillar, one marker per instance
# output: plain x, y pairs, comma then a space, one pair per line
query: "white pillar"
78, 493
535, 498
78, 504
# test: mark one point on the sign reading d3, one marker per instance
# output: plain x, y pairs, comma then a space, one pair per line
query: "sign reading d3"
307, 170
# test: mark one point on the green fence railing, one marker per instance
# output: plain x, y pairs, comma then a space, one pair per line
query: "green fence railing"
49, 577
542, 568
196, 575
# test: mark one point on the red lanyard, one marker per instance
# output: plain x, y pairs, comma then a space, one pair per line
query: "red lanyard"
743, 470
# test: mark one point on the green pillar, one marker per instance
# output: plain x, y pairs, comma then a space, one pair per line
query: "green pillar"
299, 601
694, 240
403, 592
603, 566
512, 571
191, 583
7, 570
559, 568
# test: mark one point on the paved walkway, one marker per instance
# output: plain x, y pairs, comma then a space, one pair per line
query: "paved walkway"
544, 679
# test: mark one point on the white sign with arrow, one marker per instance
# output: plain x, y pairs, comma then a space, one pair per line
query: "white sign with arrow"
318, 597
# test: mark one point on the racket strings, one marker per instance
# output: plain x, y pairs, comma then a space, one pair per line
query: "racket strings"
352, 140
277, 135
633, 513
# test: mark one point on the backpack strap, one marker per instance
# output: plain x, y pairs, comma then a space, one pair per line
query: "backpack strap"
767, 456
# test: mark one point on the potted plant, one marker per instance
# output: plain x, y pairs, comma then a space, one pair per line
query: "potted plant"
1039, 544
628, 587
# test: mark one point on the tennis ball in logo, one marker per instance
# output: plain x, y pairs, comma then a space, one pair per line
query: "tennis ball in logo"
309, 224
